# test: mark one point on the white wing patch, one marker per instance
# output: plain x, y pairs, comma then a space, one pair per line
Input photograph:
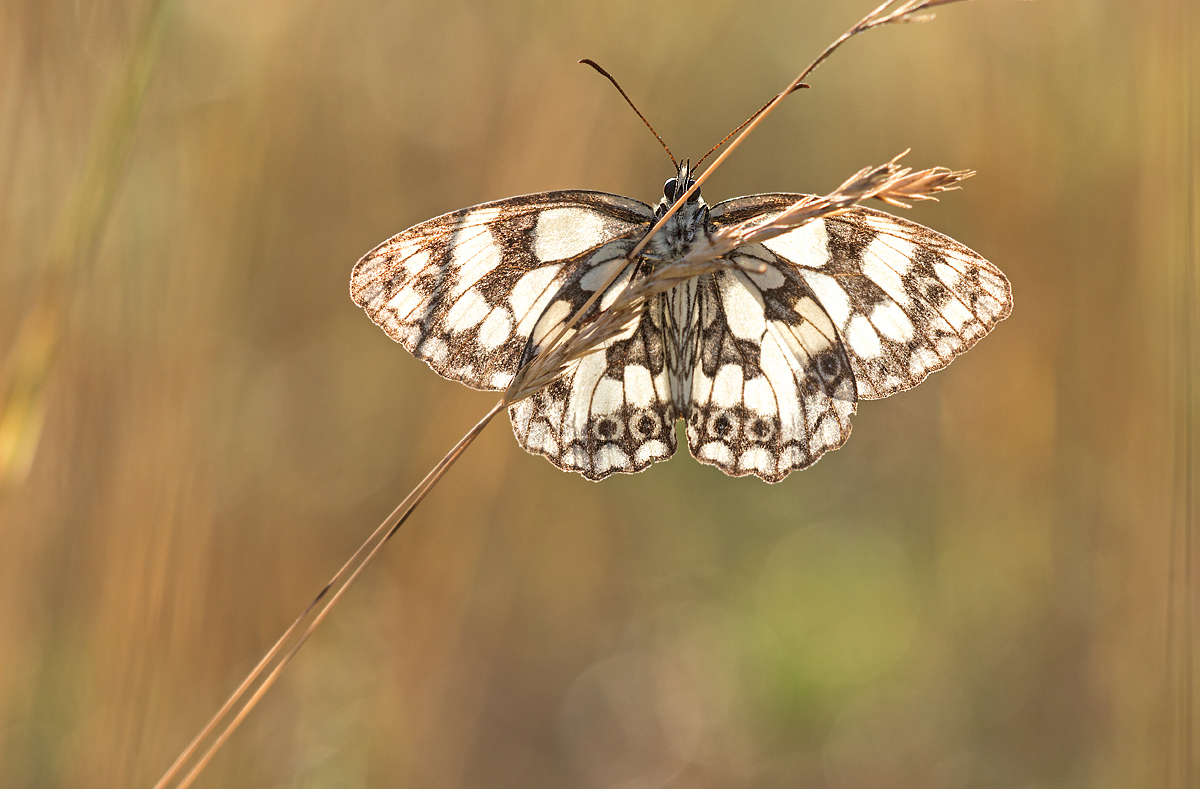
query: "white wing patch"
496, 329
475, 253
884, 262
531, 292
862, 337
831, 296
807, 242
563, 233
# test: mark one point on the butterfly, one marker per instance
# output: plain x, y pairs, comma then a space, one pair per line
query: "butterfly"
765, 360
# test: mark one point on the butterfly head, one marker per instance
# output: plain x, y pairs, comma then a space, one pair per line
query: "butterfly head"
676, 185
686, 224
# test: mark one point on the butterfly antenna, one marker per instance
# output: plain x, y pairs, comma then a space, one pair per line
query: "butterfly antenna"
629, 101
746, 123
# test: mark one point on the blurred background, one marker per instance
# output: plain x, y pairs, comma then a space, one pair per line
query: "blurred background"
983, 588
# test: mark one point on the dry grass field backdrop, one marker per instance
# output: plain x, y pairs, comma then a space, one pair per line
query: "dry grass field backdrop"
198, 425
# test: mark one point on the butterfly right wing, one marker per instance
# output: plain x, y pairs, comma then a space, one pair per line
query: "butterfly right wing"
464, 291
905, 299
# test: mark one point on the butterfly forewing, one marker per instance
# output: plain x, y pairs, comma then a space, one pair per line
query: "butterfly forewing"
905, 300
464, 291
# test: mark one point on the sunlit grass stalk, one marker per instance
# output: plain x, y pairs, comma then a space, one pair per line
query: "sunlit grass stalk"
294, 637
573, 341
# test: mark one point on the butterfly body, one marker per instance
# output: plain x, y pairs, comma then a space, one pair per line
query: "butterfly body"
677, 310
765, 361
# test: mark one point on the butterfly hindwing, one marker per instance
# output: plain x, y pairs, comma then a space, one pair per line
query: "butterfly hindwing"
464, 291
610, 412
905, 299
772, 388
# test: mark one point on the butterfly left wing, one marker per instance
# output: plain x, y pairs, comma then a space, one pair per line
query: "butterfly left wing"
905, 299
464, 291
476, 292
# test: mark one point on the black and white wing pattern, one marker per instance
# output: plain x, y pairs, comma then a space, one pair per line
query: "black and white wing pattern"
475, 292
613, 411
765, 361
464, 291
904, 299
771, 389
859, 305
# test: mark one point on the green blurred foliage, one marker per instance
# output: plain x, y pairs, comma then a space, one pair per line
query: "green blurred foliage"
971, 593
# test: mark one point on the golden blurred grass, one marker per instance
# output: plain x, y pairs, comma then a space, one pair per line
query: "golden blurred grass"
971, 593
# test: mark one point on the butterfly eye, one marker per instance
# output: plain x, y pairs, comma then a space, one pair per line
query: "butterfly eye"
669, 189
696, 194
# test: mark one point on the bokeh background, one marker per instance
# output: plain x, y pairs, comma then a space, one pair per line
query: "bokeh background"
983, 588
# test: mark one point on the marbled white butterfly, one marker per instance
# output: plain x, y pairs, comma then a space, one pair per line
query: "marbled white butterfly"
765, 363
